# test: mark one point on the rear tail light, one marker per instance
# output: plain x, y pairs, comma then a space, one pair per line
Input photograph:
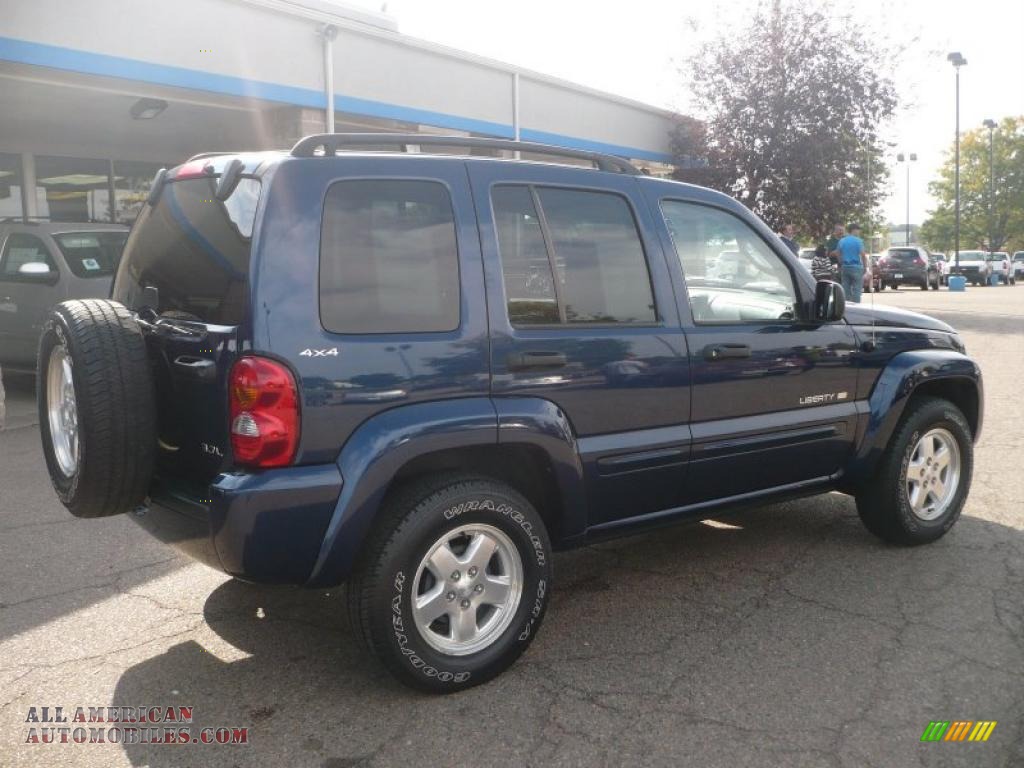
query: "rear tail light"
264, 413
919, 261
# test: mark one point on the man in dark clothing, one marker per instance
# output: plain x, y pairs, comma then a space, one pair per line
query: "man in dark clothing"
787, 236
832, 244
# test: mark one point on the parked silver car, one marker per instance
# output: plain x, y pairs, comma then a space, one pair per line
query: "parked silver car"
42, 264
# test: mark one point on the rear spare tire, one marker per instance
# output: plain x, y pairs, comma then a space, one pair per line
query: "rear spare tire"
97, 408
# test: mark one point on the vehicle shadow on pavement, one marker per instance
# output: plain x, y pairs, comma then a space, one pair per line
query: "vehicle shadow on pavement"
785, 635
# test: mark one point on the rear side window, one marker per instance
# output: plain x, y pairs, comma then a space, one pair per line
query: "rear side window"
92, 254
388, 258
195, 250
571, 256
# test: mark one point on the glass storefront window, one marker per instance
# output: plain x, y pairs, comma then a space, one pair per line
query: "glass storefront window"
72, 188
10, 186
132, 181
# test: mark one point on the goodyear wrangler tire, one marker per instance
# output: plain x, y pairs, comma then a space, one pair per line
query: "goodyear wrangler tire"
454, 583
924, 476
97, 410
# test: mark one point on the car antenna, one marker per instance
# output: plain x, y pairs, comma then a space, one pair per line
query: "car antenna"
871, 289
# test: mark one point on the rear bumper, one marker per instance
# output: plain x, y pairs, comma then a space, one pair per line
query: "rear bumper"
971, 273
266, 527
888, 275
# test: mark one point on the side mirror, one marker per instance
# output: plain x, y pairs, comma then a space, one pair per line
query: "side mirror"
829, 301
34, 268
38, 271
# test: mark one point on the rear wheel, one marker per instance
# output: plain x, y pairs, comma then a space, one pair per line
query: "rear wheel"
923, 477
97, 411
454, 584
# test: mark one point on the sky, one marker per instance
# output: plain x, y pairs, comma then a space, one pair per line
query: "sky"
637, 49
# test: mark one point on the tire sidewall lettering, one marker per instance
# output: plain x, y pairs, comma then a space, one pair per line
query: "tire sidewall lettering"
510, 512
404, 634
411, 655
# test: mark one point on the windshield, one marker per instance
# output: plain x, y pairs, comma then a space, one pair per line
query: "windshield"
92, 254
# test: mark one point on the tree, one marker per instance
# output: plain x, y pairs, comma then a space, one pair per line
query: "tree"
790, 109
1007, 224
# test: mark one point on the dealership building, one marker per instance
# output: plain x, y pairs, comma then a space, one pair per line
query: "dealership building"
97, 95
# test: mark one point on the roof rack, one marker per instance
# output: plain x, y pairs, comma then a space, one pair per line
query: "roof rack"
330, 143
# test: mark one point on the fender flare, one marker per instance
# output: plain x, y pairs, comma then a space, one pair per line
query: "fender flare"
902, 376
383, 444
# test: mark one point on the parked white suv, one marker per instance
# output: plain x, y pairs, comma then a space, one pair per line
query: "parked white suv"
1018, 266
1002, 267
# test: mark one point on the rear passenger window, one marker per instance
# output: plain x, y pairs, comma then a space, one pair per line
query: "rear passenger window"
388, 258
571, 256
524, 259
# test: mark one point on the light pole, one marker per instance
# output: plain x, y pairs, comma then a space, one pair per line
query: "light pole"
957, 61
911, 158
991, 125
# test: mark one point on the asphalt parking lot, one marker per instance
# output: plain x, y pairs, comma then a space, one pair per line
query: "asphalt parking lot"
783, 636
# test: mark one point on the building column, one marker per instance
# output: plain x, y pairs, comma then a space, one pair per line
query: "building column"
28, 185
329, 32
515, 111
289, 124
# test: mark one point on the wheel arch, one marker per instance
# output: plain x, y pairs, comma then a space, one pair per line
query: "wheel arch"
936, 373
528, 444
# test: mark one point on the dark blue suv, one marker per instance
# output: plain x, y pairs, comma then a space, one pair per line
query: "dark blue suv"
421, 373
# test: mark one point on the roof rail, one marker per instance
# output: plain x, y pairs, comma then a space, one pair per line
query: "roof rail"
332, 142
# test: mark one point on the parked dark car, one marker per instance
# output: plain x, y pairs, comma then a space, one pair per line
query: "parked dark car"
422, 374
908, 265
43, 263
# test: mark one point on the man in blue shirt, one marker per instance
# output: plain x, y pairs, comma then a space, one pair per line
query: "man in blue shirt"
852, 263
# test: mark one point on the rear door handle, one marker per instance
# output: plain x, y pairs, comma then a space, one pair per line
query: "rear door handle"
518, 361
723, 351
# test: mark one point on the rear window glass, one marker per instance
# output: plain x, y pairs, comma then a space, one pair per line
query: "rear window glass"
388, 258
92, 254
903, 255
195, 250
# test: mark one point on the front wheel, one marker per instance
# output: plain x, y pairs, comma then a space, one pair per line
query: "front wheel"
454, 584
923, 477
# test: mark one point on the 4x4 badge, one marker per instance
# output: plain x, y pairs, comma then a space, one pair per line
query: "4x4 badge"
331, 352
